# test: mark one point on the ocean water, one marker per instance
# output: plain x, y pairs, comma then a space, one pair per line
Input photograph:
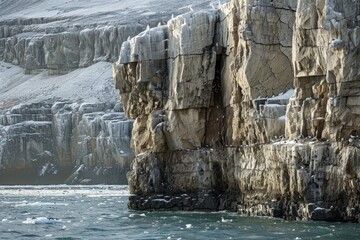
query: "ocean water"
100, 212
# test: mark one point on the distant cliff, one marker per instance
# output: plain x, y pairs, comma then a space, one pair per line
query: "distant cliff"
64, 143
252, 107
60, 119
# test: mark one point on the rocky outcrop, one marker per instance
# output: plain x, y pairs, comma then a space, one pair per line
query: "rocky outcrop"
63, 51
251, 107
57, 117
65, 142
81, 140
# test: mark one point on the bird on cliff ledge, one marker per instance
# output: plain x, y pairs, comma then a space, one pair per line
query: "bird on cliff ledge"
337, 43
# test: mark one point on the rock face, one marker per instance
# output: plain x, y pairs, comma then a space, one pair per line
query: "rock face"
64, 51
59, 116
250, 107
71, 143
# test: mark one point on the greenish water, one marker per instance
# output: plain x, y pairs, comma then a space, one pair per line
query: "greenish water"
100, 212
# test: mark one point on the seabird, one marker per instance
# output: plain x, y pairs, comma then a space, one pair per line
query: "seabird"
337, 43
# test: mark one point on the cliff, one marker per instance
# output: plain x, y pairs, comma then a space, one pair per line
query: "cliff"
251, 107
60, 119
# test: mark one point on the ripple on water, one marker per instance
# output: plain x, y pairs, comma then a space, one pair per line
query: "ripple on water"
40, 204
30, 235
42, 220
107, 217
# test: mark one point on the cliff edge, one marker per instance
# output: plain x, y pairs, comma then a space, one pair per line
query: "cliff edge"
60, 116
252, 106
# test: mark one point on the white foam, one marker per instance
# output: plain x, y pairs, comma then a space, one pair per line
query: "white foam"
64, 190
223, 220
42, 220
35, 204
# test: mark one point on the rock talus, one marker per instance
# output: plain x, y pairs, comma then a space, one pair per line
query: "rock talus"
251, 107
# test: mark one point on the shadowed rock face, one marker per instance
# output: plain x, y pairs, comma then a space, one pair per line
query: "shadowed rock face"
251, 107
71, 143
58, 120
61, 36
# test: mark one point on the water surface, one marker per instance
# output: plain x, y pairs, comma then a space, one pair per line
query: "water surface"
100, 212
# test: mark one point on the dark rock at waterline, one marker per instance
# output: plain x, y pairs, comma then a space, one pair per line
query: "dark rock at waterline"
206, 200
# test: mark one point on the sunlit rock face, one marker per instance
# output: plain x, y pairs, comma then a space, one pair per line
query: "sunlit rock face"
249, 107
62, 142
326, 65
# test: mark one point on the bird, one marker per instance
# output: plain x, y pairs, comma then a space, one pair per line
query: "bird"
191, 9
212, 6
336, 43
159, 24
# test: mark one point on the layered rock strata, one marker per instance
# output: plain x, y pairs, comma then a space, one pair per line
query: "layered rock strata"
64, 143
65, 49
251, 107
57, 122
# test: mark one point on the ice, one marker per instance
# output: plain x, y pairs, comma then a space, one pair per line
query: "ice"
42, 220
223, 220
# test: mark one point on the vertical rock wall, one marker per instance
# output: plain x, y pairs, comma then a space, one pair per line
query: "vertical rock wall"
251, 107
60, 49
326, 65
64, 142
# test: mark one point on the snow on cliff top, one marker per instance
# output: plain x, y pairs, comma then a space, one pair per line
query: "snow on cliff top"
95, 11
91, 84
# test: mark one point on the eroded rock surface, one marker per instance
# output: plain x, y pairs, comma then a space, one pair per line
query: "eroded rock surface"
57, 97
250, 107
65, 142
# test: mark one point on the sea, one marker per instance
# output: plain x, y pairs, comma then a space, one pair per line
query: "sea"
100, 212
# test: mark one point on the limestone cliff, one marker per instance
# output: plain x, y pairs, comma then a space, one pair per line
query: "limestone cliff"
250, 107
60, 120
64, 142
